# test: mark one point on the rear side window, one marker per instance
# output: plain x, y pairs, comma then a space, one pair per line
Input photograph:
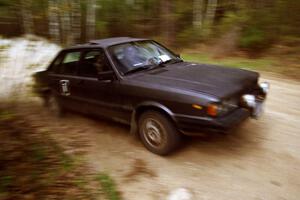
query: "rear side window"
69, 63
55, 65
72, 57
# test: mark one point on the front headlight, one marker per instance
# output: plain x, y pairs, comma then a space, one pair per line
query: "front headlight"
265, 87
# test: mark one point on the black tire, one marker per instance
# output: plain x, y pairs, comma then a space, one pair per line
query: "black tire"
158, 133
53, 105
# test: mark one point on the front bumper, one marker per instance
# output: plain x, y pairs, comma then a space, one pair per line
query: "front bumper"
250, 105
189, 125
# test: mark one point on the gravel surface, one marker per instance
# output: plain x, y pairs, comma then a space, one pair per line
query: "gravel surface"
258, 160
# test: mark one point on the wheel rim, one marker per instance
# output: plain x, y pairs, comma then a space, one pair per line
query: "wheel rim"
153, 133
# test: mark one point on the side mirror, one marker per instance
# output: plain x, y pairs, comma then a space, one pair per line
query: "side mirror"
107, 76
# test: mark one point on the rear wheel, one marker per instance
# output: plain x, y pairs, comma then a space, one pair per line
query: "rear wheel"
158, 133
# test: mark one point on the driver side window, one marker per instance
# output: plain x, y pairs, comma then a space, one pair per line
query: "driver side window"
94, 62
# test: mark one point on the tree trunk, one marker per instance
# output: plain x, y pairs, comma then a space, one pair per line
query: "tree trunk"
198, 14
65, 19
53, 15
27, 18
76, 21
167, 22
211, 11
91, 20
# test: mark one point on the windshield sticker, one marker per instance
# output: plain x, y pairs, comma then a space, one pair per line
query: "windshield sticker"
164, 58
138, 64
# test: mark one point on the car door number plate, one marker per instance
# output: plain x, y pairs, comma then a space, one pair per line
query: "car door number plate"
64, 85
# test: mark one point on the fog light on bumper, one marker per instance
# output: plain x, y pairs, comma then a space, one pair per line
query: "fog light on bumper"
249, 100
255, 105
265, 87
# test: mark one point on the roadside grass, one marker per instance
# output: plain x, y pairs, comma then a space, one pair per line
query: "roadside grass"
108, 187
46, 169
6, 115
35, 164
5, 181
264, 64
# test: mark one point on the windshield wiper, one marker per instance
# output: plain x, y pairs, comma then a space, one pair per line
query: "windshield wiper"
137, 69
173, 60
161, 64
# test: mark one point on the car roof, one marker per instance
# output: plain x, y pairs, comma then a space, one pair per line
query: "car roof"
107, 42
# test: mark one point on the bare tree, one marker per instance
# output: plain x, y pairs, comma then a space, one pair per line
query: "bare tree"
65, 19
54, 25
198, 14
91, 19
167, 21
75, 20
27, 17
211, 11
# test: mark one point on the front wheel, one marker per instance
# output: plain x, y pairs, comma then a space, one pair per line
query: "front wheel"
158, 133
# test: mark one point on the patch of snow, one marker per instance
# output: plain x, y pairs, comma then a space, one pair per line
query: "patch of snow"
20, 58
180, 194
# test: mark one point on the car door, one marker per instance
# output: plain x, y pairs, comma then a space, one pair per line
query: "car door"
63, 75
96, 85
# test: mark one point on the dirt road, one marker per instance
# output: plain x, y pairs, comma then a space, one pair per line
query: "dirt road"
260, 160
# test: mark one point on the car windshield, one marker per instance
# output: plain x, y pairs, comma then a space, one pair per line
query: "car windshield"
136, 56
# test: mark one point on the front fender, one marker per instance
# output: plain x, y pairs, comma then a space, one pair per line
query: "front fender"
148, 105
156, 105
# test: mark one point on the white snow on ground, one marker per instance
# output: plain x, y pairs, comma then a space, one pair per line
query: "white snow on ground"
19, 59
180, 194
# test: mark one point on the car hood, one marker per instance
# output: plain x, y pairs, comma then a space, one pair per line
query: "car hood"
221, 82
